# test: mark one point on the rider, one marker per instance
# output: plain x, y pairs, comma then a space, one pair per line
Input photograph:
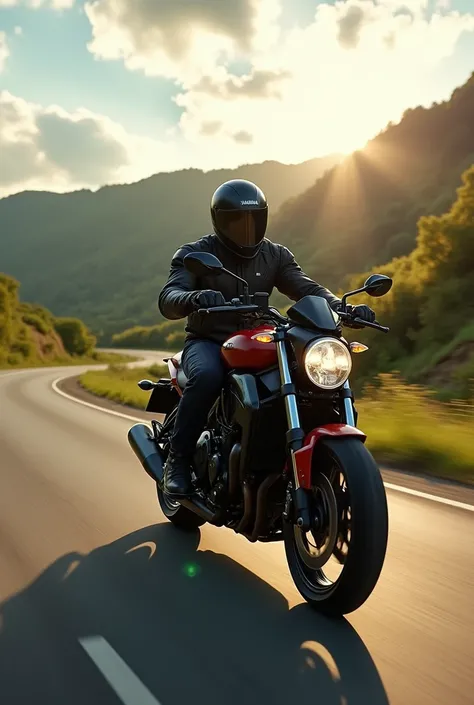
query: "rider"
239, 213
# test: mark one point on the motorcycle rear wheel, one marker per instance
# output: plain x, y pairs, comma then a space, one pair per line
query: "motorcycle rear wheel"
355, 514
174, 511
177, 514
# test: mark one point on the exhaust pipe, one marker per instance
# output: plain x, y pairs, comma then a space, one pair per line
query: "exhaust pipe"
148, 453
141, 441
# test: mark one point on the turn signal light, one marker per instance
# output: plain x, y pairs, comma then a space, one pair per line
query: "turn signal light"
263, 338
358, 347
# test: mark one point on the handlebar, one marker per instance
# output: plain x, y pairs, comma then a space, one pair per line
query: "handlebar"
231, 307
367, 324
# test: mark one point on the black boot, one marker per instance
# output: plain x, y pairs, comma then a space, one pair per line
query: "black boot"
177, 476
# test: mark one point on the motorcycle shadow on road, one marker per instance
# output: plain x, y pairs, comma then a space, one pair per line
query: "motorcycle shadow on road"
194, 626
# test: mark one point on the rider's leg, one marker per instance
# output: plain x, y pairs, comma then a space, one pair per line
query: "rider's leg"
203, 367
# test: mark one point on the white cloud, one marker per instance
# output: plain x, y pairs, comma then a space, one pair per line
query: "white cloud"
35, 4
180, 40
336, 83
18, 31
326, 87
50, 148
4, 51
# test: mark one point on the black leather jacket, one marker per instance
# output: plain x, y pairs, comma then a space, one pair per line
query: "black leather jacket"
273, 266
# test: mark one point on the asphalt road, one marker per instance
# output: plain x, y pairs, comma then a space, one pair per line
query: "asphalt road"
103, 601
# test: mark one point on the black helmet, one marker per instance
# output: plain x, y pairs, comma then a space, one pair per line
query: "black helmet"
239, 213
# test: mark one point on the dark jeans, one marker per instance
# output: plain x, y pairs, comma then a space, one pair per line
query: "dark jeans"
204, 369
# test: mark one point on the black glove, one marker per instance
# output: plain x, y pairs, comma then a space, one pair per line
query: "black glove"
361, 311
208, 299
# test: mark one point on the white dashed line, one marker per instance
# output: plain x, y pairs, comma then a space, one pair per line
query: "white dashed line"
116, 672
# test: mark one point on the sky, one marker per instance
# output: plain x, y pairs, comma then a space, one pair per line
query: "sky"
110, 91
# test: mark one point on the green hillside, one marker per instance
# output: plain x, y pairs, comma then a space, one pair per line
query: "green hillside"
364, 211
104, 256
31, 336
430, 309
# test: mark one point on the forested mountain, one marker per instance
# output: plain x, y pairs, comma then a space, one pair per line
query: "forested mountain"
364, 211
104, 256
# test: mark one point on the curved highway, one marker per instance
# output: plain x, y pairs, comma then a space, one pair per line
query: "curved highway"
102, 601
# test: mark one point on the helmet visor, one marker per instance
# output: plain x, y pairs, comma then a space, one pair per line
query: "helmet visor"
243, 228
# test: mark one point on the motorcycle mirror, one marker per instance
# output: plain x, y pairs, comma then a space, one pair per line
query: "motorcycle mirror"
377, 285
202, 263
146, 385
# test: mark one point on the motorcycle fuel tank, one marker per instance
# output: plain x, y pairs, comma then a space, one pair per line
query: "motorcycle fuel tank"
250, 349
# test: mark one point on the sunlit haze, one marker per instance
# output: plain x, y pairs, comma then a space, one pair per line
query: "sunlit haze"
115, 90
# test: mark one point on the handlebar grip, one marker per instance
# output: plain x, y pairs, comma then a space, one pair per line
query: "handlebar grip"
375, 325
216, 309
231, 308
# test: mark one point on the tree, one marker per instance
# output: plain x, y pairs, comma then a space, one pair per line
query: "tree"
77, 339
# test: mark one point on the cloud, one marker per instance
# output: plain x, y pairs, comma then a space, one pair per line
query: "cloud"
210, 128
327, 87
350, 24
243, 137
258, 84
180, 40
50, 148
4, 51
35, 4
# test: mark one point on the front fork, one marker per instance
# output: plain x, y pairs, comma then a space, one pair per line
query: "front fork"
295, 435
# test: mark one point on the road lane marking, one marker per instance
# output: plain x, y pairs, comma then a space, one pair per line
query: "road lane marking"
86, 403
433, 497
388, 485
116, 672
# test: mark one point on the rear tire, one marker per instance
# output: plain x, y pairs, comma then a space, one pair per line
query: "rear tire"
368, 524
177, 514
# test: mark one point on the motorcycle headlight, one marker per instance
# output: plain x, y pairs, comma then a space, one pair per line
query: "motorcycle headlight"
328, 363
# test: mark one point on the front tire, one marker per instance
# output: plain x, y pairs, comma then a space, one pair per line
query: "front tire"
355, 516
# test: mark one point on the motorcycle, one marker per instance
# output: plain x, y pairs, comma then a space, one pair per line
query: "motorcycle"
281, 457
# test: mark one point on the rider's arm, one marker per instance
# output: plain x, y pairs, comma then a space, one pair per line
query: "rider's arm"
294, 283
176, 298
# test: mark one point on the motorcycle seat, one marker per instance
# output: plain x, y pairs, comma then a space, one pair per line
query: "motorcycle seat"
181, 378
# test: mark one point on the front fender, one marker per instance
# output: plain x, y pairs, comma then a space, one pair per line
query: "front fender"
304, 456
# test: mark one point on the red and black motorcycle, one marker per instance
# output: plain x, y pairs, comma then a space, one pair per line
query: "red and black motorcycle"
281, 458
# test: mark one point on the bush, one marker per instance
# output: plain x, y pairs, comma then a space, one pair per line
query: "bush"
36, 322
77, 339
14, 359
24, 347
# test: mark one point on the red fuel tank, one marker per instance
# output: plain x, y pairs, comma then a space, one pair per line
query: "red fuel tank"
250, 349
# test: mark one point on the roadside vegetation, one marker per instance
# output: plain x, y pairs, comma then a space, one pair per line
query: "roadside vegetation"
30, 336
119, 383
406, 426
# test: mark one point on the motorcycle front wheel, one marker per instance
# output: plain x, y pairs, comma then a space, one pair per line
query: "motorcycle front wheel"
337, 564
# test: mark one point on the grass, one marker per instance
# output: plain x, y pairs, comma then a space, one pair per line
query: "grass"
405, 425
95, 358
119, 383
